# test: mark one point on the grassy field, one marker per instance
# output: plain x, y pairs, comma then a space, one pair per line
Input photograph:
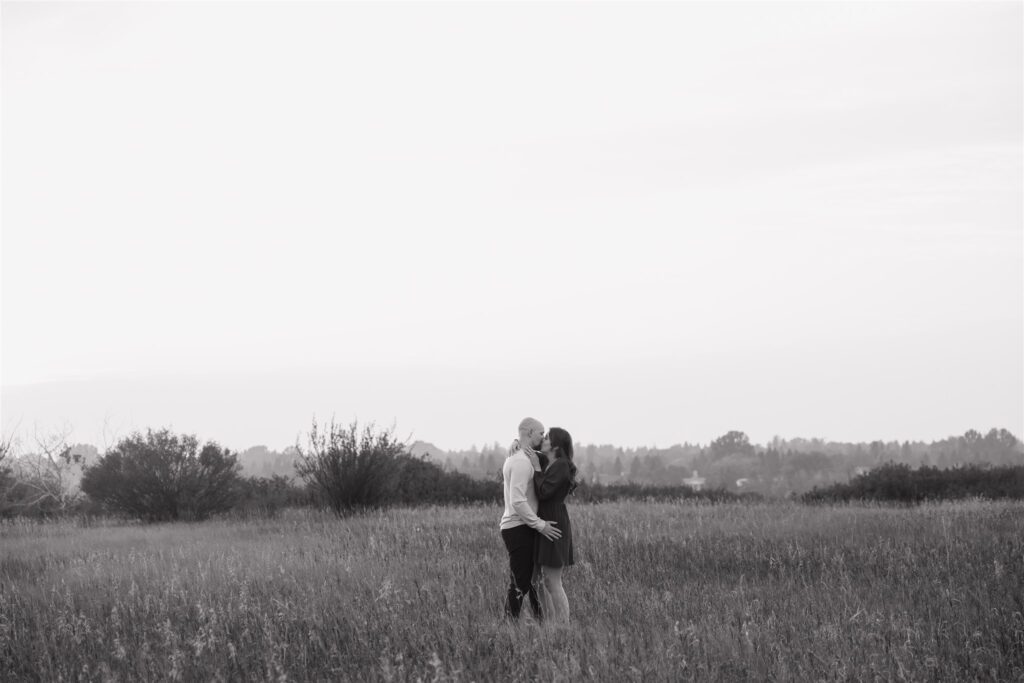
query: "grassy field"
660, 592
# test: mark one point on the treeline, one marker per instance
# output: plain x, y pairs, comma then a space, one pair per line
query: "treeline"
160, 475
900, 483
779, 468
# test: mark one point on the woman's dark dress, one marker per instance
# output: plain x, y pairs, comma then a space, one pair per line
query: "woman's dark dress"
553, 485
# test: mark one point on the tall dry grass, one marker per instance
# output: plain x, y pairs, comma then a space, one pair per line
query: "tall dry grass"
660, 592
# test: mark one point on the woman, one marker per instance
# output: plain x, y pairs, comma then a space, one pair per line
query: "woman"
553, 484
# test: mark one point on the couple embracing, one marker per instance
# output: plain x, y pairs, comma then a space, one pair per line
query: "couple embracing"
537, 476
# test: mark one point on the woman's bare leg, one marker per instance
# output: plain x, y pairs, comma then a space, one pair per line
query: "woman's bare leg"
542, 592
559, 601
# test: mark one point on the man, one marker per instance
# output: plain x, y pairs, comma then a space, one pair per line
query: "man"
520, 523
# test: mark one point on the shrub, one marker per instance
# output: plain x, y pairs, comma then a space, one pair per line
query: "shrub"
423, 482
267, 496
349, 470
164, 476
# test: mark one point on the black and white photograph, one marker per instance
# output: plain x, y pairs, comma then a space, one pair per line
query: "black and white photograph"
511, 340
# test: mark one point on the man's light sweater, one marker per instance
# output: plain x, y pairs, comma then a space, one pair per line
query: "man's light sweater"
520, 497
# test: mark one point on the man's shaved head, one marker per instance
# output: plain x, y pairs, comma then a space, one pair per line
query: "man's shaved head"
531, 432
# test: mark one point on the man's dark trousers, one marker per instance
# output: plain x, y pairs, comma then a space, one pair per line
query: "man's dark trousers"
520, 541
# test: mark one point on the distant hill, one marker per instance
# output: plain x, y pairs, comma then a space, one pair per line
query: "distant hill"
433, 453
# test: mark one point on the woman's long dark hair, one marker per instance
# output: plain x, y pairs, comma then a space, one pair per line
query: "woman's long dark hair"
561, 447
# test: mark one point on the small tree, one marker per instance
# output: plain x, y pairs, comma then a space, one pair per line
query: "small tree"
45, 481
350, 469
164, 476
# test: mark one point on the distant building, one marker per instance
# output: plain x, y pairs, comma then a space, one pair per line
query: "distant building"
860, 471
696, 482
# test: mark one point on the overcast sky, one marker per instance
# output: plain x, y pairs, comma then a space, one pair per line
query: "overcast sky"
646, 223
